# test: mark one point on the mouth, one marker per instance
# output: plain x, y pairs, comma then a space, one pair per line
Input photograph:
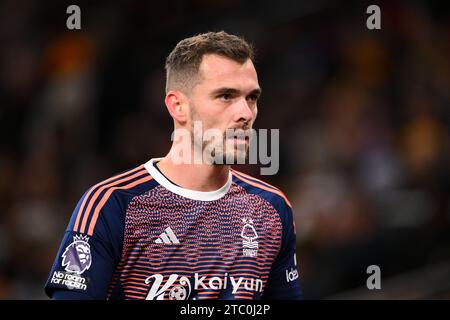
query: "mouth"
240, 140
238, 136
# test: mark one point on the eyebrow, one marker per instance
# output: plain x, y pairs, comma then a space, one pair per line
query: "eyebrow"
234, 91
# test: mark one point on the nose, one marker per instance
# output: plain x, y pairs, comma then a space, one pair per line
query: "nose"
244, 112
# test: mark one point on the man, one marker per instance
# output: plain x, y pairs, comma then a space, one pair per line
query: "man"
172, 229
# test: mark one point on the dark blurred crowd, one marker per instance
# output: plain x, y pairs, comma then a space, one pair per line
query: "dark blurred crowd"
364, 119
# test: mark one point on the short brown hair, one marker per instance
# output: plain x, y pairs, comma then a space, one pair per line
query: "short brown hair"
183, 62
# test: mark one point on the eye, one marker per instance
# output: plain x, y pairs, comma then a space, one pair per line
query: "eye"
253, 97
225, 97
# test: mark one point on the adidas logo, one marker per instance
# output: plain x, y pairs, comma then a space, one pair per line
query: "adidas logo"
167, 237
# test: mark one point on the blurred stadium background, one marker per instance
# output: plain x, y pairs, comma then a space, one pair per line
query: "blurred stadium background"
364, 119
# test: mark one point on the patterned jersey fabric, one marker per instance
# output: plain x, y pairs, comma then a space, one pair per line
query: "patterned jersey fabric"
139, 236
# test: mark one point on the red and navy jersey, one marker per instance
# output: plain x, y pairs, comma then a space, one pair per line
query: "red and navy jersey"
139, 236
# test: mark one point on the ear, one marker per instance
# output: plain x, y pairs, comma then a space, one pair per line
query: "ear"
176, 103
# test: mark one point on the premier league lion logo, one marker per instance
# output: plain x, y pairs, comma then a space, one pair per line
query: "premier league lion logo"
77, 256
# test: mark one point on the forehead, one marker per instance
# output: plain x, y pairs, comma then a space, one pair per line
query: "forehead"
216, 71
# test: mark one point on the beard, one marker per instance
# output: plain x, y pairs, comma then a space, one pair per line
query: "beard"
229, 147
229, 151
218, 147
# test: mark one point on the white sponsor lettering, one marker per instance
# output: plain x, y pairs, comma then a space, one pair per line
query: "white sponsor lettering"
155, 290
291, 275
71, 281
159, 287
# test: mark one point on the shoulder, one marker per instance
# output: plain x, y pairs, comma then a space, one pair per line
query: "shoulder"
111, 194
263, 189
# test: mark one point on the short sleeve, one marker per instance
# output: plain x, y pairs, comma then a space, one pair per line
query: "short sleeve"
284, 282
85, 261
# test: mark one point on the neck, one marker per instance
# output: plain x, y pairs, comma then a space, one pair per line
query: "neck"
207, 177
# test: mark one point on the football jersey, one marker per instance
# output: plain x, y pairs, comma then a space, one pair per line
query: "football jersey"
137, 235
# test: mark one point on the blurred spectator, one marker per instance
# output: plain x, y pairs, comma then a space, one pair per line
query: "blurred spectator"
363, 115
